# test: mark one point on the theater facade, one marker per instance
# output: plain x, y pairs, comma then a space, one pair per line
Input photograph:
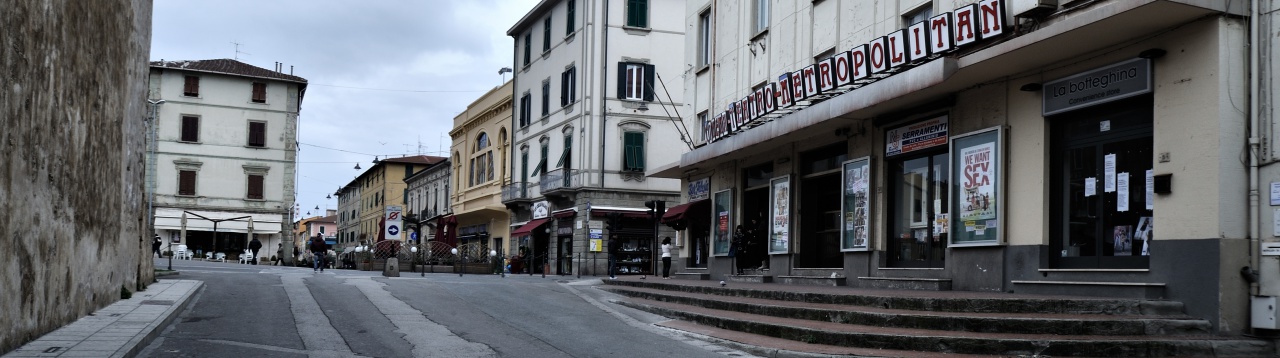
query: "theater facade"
993, 146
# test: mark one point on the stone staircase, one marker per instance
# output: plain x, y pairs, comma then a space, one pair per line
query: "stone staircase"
911, 323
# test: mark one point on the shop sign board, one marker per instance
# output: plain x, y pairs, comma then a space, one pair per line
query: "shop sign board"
699, 189
1118, 81
862, 64
916, 136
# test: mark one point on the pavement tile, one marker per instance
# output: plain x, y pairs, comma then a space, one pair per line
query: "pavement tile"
88, 353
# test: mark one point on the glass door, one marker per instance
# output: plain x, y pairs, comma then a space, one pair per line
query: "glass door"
919, 187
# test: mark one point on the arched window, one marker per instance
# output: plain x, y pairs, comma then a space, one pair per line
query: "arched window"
481, 161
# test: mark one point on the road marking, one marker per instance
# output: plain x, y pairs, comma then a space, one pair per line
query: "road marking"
429, 339
318, 334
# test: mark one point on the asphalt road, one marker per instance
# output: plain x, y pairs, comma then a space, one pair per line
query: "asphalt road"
272, 311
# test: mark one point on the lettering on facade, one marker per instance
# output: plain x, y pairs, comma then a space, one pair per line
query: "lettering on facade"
900, 49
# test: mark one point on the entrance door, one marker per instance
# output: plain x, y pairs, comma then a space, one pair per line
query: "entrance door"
564, 257
1097, 224
919, 187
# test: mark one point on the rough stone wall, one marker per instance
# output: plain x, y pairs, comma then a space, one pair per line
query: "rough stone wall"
72, 124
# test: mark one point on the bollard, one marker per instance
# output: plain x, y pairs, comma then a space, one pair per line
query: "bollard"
392, 269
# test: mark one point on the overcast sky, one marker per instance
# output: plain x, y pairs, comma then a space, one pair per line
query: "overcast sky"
383, 75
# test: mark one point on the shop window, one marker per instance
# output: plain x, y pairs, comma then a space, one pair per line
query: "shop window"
918, 184
1101, 205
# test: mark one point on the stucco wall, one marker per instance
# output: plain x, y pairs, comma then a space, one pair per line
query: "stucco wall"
72, 124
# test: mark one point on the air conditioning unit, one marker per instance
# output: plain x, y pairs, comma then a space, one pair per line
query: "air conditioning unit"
1032, 8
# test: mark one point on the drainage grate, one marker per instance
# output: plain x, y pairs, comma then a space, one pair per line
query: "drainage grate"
158, 302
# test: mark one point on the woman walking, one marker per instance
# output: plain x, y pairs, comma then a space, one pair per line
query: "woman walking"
666, 258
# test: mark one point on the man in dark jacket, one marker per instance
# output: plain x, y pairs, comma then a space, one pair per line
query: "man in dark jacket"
254, 246
614, 245
317, 248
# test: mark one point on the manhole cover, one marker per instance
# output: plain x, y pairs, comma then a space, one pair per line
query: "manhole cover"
158, 302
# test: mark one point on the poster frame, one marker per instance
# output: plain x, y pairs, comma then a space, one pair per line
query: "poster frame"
967, 140
774, 184
868, 227
715, 240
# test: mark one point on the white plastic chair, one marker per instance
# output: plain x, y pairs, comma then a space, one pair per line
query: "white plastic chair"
218, 256
182, 253
246, 257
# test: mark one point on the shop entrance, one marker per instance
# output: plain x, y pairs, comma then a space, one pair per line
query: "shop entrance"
819, 235
919, 187
1101, 217
752, 251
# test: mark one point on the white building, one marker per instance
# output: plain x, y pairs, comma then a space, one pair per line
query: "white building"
223, 153
597, 89
349, 210
427, 198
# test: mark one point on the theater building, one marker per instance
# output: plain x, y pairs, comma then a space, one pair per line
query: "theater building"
1003, 146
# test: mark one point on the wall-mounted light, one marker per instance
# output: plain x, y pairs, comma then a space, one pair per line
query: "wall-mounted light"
1031, 87
1153, 53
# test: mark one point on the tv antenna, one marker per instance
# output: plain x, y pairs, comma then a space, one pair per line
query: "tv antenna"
238, 52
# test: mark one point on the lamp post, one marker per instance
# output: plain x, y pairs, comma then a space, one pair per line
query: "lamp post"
493, 257
414, 250
456, 260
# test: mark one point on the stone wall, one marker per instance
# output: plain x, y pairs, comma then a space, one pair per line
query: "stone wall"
72, 124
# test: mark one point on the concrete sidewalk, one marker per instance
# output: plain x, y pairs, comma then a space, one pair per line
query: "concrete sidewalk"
118, 330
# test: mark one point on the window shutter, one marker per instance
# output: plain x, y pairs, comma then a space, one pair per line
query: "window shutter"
191, 86
564, 89
257, 134
255, 187
622, 80
190, 129
186, 182
259, 92
648, 83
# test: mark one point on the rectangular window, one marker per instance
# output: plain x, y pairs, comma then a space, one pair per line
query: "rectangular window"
542, 164
187, 182
762, 15
919, 15
191, 86
633, 152
703, 123
571, 12
255, 187
546, 34
638, 13
258, 134
567, 84
525, 110
704, 38
635, 81
190, 129
528, 47
546, 97
259, 92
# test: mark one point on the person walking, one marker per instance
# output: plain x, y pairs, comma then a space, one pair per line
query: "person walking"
155, 247
614, 245
254, 247
279, 254
317, 248
736, 249
666, 258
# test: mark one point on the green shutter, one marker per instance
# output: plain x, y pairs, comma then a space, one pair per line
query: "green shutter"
633, 151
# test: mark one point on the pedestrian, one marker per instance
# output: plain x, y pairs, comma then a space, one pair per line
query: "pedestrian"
155, 247
255, 246
614, 244
666, 258
737, 249
317, 248
279, 254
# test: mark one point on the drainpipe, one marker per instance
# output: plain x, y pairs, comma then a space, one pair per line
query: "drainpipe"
1255, 221
604, 86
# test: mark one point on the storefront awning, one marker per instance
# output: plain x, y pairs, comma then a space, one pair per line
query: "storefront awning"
529, 227
677, 213
565, 213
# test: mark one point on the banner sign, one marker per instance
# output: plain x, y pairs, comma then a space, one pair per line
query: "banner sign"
699, 189
883, 56
916, 136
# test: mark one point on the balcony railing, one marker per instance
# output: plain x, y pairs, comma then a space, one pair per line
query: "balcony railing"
520, 191
560, 179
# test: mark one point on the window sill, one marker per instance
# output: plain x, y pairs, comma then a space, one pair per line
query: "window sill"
632, 30
760, 35
255, 146
569, 36
701, 70
188, 142
261, 103
546, 53
196, 96
252, 199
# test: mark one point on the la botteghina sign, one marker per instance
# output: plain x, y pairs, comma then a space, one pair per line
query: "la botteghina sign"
901, 49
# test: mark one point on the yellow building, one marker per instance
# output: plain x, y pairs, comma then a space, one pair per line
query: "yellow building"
481, 148
381, 186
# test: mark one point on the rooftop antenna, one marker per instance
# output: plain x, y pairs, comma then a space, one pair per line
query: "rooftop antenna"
238, 52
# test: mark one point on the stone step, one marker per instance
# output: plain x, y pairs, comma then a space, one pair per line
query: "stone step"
1056, 324
812, 280
766, 346
953, 301
1141, 290
906, 283
1025, 344
692, 275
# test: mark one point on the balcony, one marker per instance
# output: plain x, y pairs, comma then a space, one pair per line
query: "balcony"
520, 192
559, 180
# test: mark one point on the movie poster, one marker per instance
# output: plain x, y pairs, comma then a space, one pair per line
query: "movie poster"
1122, 237
977, 179
722, 204
780, 218
857, 179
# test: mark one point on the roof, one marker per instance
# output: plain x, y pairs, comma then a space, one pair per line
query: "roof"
227, 66
530, 18
416, 159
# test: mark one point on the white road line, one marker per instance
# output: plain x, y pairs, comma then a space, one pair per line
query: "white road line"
318, 334
429, 339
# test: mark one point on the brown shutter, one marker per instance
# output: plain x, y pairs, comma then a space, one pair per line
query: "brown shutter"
187, 182
255, 187
190, 129
257, 134
191, 86
259, 92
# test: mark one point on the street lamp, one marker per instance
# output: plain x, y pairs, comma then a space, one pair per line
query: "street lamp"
455, 259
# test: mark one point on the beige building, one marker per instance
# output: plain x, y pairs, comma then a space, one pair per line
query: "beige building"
481, 148
380, 186
987, 146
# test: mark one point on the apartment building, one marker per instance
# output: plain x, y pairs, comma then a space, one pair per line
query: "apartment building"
481, 150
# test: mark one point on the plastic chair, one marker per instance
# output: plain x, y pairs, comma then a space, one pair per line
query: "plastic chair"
182, 253
218, 256
246, 257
